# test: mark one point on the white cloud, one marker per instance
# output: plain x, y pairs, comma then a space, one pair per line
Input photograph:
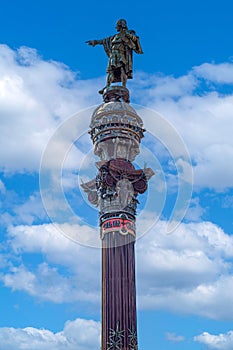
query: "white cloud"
210, 170
191, 266
79, 334
81, 282
202, 118
30, 211
219, 73
174, 337
216, 342
213, 300
195, 211
17, 209
46, 283
188, 271
163, 87
35, 96
205, 123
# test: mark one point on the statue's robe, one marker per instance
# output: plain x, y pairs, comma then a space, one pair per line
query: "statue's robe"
119, 49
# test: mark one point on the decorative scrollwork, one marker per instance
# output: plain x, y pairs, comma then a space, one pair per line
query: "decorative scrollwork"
116, 170
117, 185
133, 340
116, 338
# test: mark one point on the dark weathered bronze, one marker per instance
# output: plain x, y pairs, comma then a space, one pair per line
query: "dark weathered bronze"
118, 292
119, 49
116, 131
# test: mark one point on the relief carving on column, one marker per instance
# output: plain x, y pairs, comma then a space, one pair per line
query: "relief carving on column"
133, 339
116, 338
117, 185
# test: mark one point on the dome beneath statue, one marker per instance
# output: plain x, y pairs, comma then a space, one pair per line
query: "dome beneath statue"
116, 128
115, 112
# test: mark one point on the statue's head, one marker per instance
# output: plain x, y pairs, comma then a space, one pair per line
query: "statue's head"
121, 24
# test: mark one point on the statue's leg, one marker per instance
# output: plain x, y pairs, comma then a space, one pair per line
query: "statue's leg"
110, 78
108, 82
123, 77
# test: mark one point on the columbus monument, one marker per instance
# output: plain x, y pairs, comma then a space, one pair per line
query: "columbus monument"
116, 131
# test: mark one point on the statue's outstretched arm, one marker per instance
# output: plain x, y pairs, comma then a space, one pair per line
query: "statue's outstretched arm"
94, 42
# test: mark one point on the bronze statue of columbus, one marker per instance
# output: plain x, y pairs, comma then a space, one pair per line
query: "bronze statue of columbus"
119, 49
116, 131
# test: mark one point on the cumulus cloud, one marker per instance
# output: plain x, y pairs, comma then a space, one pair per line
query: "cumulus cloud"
81, 281
79, 334
161, 87
216, 342
218, 73
202, 117
17, 208
204, 123
46, 283
191, 266
35, 96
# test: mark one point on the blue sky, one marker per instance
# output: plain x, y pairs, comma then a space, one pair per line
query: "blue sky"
50, 285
